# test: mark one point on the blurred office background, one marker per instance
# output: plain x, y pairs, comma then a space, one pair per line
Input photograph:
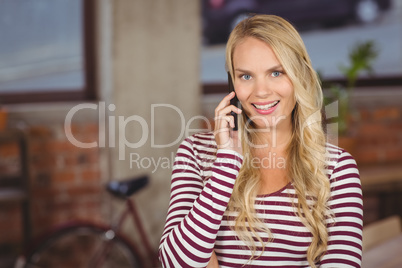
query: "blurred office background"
160, 61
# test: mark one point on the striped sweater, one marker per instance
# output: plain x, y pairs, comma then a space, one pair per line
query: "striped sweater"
198, 224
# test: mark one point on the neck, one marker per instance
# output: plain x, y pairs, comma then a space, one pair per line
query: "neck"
276, 138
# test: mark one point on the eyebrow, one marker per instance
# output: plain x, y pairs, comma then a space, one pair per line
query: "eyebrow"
274, 68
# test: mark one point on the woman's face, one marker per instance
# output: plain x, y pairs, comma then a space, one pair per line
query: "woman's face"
263, 88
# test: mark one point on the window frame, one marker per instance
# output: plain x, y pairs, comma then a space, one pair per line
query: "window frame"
88, 91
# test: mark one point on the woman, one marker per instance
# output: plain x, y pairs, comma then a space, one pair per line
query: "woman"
274, 193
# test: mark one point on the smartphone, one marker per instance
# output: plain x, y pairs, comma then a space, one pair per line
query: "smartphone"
234, 101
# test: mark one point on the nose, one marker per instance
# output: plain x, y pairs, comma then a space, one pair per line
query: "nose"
262, 88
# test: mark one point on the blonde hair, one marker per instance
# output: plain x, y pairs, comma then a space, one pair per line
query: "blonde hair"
306, 150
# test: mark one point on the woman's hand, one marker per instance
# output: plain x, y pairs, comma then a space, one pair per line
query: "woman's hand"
213, 262
225, 137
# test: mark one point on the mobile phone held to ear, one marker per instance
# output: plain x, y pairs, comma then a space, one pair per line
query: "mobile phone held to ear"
234, 101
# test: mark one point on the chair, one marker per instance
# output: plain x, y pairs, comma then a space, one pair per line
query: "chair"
380, 231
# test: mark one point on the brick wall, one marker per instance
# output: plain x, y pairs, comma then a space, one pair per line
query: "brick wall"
10, 212
378, 135
378, 145
65, 181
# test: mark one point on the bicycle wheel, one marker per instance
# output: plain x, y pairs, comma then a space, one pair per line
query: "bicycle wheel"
83, 246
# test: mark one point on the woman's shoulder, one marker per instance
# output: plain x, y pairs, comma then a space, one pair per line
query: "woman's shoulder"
336, 153
338, 160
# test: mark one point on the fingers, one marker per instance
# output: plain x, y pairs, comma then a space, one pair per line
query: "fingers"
222, 121
224, 124
224, 106
224, 102
222, 113
224, 116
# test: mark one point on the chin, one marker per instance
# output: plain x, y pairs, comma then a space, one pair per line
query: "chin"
267, 122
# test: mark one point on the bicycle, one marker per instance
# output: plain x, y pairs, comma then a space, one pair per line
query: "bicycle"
87, 244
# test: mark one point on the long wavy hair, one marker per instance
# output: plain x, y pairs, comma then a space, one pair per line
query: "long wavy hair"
305, 164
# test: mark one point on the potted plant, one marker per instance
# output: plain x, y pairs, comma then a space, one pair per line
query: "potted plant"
361, 58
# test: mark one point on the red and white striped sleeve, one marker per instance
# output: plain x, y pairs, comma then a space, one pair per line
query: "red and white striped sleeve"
195, 211
346, 203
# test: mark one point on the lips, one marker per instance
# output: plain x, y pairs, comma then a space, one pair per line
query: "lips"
265, 107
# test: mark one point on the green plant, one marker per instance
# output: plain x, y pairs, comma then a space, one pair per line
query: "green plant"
361, 59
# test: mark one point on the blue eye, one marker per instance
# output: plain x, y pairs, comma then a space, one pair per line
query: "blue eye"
276, 74
246, 77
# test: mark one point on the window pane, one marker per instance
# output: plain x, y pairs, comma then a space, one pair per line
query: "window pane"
41, 46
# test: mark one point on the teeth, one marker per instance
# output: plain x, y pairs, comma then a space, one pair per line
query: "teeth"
266, 107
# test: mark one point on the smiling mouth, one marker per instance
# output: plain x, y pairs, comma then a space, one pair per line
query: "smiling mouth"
266, 106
